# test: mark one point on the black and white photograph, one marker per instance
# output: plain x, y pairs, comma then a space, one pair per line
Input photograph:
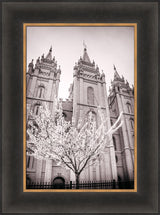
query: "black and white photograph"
80, 104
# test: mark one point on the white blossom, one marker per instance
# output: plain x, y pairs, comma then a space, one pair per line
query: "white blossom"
51, 137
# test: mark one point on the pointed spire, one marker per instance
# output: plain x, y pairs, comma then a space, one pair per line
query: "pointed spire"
30, 67
49, 55
116, 75
115, 70
31, 64
38, 60
42, 57
85, 54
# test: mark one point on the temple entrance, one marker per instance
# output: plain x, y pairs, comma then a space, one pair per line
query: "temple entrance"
59, 183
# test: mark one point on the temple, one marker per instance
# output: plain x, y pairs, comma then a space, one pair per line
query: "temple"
86, 93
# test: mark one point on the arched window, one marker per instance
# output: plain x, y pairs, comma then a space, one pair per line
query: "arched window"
90, 95
40, 92
114, 143
64, 115
129, 107
116, 159
36, 109
132, 123
92, 114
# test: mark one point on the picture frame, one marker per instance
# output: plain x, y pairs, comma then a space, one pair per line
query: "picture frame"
14, 199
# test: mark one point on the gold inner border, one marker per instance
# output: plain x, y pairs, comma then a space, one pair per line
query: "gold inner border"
25, 25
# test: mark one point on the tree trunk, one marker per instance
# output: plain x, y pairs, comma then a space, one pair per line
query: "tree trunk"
77, 181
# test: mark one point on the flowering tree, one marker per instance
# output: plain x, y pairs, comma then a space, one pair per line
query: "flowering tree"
51, 137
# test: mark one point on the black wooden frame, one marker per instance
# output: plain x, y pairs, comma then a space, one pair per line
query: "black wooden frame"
145, 14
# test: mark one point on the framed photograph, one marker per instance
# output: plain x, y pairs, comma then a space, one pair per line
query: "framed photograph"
79, 124
88, 143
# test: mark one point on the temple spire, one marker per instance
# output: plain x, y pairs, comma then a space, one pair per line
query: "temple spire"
116, 75
85, 54
49, 55
31, 64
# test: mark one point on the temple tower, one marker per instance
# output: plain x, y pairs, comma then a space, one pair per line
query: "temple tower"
42, 87
42, 82
121, 99
89, 91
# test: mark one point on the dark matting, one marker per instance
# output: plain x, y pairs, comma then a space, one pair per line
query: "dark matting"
13, 16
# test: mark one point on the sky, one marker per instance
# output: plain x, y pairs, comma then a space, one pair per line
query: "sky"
105, 45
